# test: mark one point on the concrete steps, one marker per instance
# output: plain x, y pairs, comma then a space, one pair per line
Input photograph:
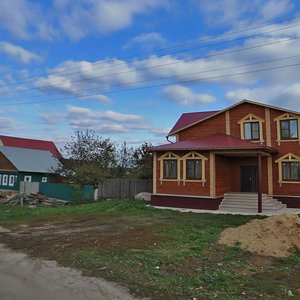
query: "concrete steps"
247, 202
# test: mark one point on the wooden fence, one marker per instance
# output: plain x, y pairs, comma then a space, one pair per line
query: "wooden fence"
123, 188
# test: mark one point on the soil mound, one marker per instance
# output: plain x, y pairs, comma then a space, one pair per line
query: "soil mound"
275, 236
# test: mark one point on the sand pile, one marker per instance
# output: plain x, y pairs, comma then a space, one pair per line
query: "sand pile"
275, 236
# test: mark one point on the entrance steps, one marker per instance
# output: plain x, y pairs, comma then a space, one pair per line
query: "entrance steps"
248, 202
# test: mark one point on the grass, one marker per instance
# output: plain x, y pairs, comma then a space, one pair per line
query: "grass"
160, 254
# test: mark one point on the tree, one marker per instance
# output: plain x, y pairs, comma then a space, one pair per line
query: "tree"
89, 158
142, 161
124, 161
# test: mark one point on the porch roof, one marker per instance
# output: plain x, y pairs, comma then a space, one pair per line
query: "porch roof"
219, 141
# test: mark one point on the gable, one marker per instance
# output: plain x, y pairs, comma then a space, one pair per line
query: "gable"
5, 164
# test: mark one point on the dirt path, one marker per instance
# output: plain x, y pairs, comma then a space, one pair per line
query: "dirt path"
22, 278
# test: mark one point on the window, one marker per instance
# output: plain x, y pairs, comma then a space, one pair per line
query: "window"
0, 179
251, 128
44, 179
27, 178
170, 169
289, 129
11, 180
288, 169
194, 169
5, 180
251, 131
291, 171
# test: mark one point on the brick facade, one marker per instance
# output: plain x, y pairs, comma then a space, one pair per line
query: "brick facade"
226, 173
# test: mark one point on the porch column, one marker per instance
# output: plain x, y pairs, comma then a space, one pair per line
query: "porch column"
154, 172
259, 182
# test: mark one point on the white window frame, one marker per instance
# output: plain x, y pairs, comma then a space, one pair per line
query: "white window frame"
5, 180
27, 178
44, 179
11, 180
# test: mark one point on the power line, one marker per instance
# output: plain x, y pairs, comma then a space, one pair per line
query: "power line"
162, 84
158, 66
185, 50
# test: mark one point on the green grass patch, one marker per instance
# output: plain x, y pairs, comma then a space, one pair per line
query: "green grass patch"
160, 254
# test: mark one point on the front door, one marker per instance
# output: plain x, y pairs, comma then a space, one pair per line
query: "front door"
249, 179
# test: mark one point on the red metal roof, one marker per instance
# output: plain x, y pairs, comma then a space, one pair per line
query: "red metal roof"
219, 141
11, 141
188, 119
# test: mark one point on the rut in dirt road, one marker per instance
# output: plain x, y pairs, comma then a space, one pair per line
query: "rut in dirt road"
22, 278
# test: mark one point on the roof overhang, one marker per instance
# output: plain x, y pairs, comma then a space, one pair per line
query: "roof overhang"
218, 143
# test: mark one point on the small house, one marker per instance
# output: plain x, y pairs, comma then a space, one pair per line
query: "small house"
21, 164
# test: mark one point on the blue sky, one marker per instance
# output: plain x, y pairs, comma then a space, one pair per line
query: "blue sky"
129, 68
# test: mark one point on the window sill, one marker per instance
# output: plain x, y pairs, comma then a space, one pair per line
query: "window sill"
193, 180
165, 179
289, 182
291, 140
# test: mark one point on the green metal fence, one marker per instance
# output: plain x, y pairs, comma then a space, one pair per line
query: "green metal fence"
67, 192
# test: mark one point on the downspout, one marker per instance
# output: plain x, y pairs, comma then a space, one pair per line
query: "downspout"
167, 137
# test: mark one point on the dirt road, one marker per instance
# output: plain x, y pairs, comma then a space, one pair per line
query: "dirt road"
22, 278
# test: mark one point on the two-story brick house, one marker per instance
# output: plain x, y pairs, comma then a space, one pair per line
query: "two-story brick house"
248, 147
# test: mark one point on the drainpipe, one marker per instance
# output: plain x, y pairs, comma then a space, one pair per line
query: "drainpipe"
167, 137
259, 177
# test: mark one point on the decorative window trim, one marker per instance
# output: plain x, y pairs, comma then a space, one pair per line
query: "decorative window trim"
169, 156
194, 155
249, 119
283, 117
290, 157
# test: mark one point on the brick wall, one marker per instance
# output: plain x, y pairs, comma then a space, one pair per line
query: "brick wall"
183, 188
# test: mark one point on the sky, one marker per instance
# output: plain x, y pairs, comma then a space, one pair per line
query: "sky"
129, 68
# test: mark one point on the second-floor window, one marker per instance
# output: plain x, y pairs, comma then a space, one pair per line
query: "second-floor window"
194, 169
290, 171
289, 129
170, 168
251, 131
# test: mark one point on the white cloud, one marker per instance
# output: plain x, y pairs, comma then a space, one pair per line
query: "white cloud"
7, 125
236, 13
284, 95
99, 78
100, 16
147, 40
103, 122
18, 53
182, 95
25, 19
